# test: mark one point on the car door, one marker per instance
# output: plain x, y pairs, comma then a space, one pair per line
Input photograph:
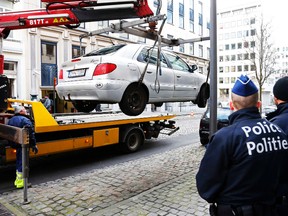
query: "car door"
161, 83
187, 83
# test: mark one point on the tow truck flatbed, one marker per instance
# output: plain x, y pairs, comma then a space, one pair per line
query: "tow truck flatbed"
69, 132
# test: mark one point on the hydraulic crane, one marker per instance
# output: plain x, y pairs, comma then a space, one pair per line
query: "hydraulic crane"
70, 13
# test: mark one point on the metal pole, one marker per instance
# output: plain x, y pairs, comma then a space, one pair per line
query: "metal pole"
25, 165
33, 67
213, 67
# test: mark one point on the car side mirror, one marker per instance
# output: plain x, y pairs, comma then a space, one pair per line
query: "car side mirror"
194, 68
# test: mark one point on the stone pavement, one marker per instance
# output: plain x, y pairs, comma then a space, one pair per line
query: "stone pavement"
161, 184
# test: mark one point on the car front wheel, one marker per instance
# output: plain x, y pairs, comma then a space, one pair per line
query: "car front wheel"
134, 100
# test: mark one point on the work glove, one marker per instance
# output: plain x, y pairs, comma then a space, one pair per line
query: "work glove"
35, 149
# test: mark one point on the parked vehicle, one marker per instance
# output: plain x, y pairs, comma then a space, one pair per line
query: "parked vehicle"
268, 109
114, 75
222, 121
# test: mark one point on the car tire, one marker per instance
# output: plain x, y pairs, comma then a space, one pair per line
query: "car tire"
84, 106
133, 101
204, 141
134, 139
158, 104
203, 95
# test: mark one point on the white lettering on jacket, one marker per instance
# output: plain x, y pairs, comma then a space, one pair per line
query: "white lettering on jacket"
268, 144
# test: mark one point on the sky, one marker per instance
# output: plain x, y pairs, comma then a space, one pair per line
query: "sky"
274, 11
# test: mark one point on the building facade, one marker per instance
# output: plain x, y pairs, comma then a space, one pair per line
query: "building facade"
32, 56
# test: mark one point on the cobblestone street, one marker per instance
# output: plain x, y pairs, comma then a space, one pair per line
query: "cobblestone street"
161, 184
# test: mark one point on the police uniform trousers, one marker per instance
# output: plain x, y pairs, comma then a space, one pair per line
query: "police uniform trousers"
249, 210
19, 160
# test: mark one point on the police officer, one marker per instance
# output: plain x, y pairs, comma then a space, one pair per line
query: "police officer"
240, 170
280, 117
21, 120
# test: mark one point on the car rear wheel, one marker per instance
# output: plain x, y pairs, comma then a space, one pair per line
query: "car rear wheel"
84, 106
134, 100
203, 96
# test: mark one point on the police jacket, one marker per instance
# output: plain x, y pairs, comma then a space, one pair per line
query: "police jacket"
22, 121
241, 165
280, 118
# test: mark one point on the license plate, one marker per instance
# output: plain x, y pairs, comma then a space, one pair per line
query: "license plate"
76, 73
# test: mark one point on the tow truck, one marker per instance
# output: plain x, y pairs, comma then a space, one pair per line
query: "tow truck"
73, 131
60, 133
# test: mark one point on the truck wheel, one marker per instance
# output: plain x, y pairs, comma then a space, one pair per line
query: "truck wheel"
133, 140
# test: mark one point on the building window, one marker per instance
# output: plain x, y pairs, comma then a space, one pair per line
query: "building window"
233, 46
181, 48
239, 34
233, 57
252, 44
239, 57
103, 24
48, 63
239, 68
233, 68
170, 11
170, 37
191, 48
252, 32
208, 53
227, 46
246, 67
221, 58
221, 80
181, 14
227, 69
239, 45
191, 16
245, 33
221, 69
246, 56
200, 18
252, 55
227, 58
252, 21
246, 44
200, 51
76, 51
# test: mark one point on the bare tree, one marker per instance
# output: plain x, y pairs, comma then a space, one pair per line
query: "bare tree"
262, 54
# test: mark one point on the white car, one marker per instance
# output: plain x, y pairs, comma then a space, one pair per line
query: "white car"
117, 74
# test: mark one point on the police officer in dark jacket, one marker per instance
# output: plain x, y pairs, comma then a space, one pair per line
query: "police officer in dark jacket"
240, 170
280, 117
21, 120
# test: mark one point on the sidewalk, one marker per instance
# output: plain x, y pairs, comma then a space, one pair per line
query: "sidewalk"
162, 184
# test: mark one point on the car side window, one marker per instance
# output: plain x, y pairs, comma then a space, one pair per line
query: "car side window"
144, 57
177, 63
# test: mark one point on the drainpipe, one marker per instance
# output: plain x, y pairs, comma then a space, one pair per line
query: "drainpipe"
33, 65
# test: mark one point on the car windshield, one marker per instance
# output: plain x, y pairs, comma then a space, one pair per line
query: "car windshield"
105, 50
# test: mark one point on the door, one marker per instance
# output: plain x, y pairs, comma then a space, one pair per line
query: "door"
160, 83
186, 82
